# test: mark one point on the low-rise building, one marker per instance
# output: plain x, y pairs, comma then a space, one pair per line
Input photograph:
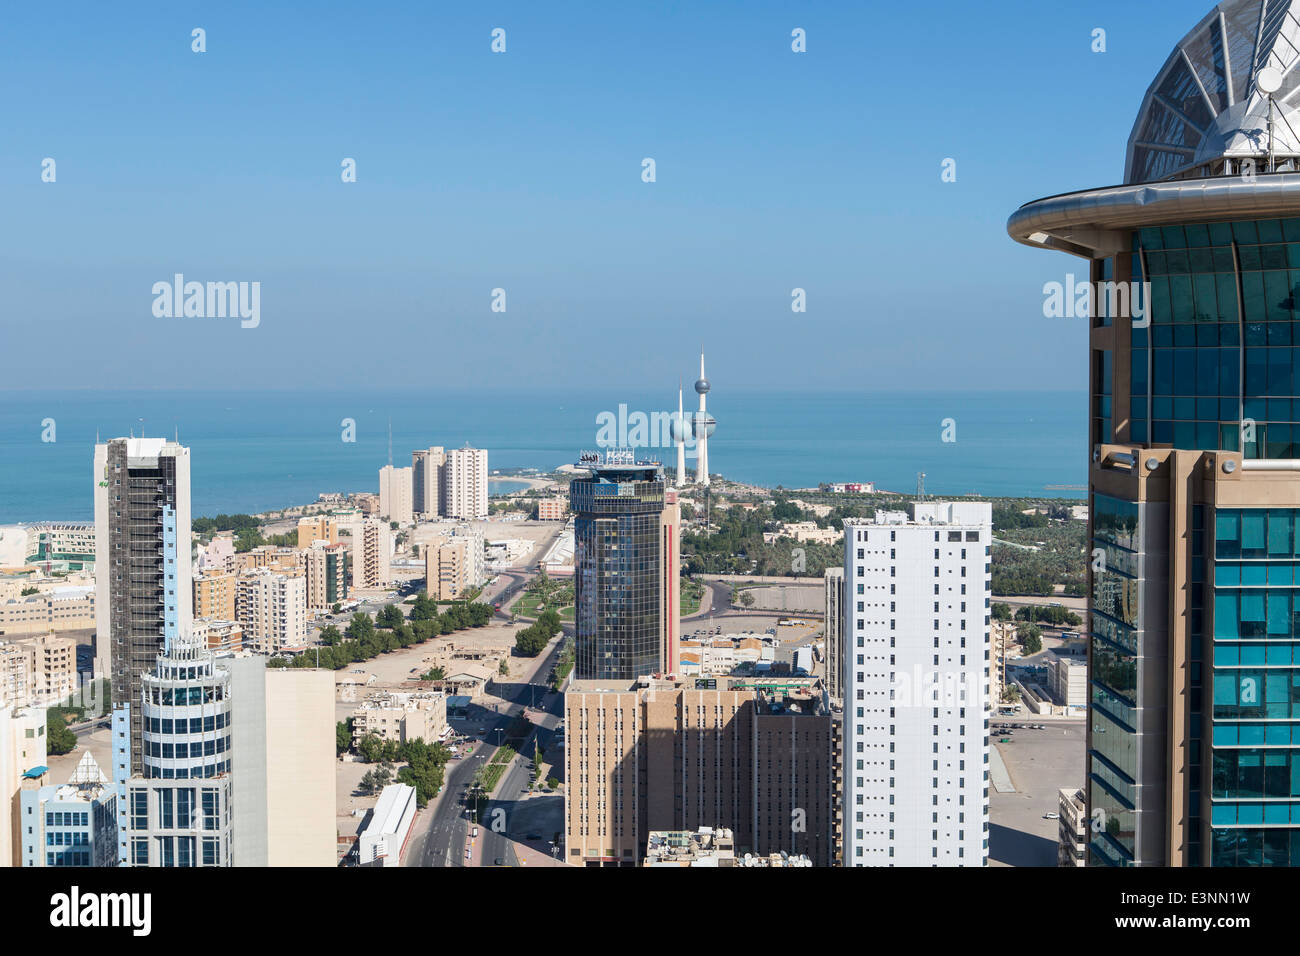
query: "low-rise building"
552, 509
218, 635
73, 824
317, 528
68, 608
1068, 681
383, 841
401, 717
705, 847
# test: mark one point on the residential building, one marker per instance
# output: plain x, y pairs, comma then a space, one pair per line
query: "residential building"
142, 578
1072, 839
626, 569
1068, 681
73, 824
219, 554
395, 494
372, 550
327, 574
427, 465
22, 756
552, 509
916, 636
214, 595
656, 754
446, 568
1194, 476
383, 841
465, 484
401, 717
54, 668
271, 610
17, 682
315, 528
834, 586
218, 636
269, 557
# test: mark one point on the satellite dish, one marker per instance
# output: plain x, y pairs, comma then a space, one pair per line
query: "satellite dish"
1269, 80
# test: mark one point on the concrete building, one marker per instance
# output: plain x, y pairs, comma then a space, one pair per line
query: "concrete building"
1068, 682
218, 555
1072, 840
627, 569
834, 586
916, 639
73, 824
427, 466
1194, 481
383, 841
272, 610
214, 595
65, 608
142, 578
40, 671
465, 484
326, 567
652, 754
401, 717
315, 528
395, 495
372, 550
269, 557
446, 568
705, 847
552, 509
218, 636
66, 545
22, 752
17, 682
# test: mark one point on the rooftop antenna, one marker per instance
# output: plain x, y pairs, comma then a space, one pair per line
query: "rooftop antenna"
920, 486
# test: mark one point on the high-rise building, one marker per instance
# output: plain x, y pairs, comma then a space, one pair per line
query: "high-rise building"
626, 568
327, 574
315, 528
372, 551
465, 484
916, 660
271, 609
214, 595
427, 466
395, 494
1194, 480
834, 587
750, 755
22, 756
142, 509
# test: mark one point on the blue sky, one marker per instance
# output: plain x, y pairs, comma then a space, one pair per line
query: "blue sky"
522, 170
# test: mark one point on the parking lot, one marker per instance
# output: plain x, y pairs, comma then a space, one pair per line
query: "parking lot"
1040, 763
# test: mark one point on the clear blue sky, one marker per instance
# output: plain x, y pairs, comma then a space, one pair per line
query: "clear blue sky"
775, 170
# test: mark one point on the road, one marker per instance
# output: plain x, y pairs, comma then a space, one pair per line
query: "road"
442, 842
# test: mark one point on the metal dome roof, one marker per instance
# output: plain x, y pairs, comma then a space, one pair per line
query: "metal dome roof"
1204, 104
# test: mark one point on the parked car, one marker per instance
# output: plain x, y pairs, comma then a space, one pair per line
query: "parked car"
1051, 816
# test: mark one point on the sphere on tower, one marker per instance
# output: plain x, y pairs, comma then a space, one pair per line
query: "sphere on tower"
702, 386
704, 423
680, 427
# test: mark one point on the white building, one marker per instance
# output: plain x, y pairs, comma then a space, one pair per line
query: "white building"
372, 554
427, 466
465, 484
916, 664
272, 610
384, 838
396, 494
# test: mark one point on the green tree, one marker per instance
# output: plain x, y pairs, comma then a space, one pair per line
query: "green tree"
59, 739
361, 627
371, 748
504, 667
1001, 612
342, 737
746, 599
1031, 636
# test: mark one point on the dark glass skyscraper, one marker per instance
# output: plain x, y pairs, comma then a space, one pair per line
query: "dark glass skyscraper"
625, 568
1194, 611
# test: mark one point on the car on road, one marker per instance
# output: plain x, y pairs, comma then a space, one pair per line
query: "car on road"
1051, 816
1005, 740
499, 861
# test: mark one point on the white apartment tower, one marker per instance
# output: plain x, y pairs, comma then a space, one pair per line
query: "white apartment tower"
395, 494
465, 484
372, 550
915, 683
427, 465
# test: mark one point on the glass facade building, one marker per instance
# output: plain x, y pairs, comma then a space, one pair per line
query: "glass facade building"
619, 561
1194, 433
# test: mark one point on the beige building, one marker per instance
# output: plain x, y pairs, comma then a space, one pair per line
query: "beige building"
54, 668
272, 610
327, 574
70, 608
22, 748
679, 755
218, 635
427, 466
214, 595
465, 484
445, 569
552, 509
1072, 837
317, 528
372, 549
16, 678
271, 558
1068, 681
834, 633
395, 489
300, 767
401, 717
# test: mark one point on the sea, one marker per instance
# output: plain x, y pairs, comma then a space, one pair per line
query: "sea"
255, 451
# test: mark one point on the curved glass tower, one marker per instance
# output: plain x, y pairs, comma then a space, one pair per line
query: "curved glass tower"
1194, 431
